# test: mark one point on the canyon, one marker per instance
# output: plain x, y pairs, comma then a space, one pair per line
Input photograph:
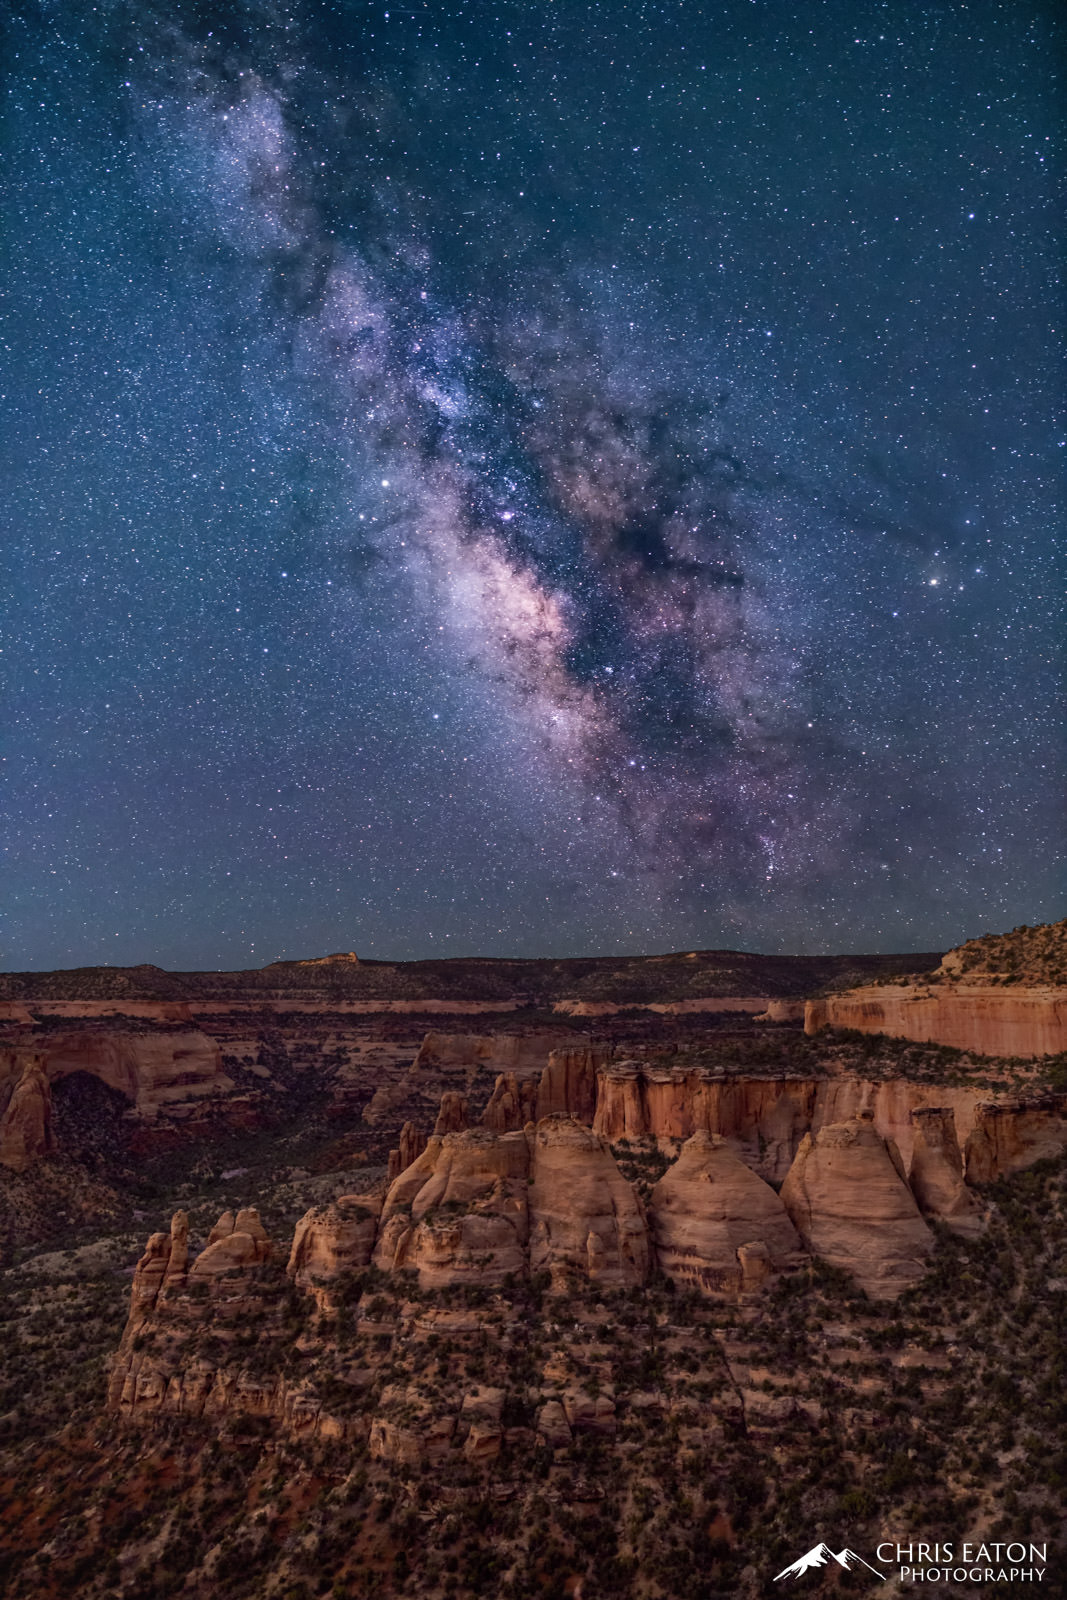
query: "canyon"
564, 1295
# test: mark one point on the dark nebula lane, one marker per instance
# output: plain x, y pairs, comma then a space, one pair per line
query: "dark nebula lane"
529, 480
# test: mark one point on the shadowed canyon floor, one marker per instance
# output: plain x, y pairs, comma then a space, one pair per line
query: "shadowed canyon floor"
520, 1302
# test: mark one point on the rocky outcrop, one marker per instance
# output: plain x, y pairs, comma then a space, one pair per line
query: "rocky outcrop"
479, 1206
234, 1245
26, 1125
148, 1277
523, 1053
332, 1241
988, 1019
411, 1144
174, 1279
459, 1214
512, 1104
936, 1175
1009, 1135
782, 1011
586, 1221
848, 1200
454, 1114
569, 1083
715, 1224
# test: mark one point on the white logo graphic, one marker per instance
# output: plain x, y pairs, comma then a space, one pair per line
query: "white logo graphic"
820, 1555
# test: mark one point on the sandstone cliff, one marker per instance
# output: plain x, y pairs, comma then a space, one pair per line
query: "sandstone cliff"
1012, 1134
766, 1117
992, 1021
154, 1071
332, 1241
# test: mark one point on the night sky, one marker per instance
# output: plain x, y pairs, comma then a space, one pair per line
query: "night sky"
537, 479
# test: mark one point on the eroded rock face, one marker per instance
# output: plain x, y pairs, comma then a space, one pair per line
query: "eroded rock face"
586, 1221
178, 1256
333, 1240
936, 1175
454, 1114
850, 1204
148, 1278
26, 1125
716, 1225
411, 1144
569, 1083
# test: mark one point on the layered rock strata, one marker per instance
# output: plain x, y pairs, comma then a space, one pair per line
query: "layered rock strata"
988, 1019
153, 1071
767, 1117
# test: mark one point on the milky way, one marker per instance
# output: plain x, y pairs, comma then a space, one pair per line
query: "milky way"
518, 483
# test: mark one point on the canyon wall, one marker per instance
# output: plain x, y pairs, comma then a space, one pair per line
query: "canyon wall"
153, 1070
992, 1020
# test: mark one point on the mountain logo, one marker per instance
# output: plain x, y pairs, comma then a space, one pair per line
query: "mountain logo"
819, 1555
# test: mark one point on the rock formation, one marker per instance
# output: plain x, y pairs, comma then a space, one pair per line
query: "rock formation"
154, 1071
234, 1245
411, 1144
714, 1222
1009, 1135
512, 1104
459, 1213
331, 1241
569, 1083
454, 1114
936, 1175
766, 1117
26, 1125
848, 1200
586, 1221
990, 1020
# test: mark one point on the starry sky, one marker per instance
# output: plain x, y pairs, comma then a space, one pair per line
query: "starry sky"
531, 480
